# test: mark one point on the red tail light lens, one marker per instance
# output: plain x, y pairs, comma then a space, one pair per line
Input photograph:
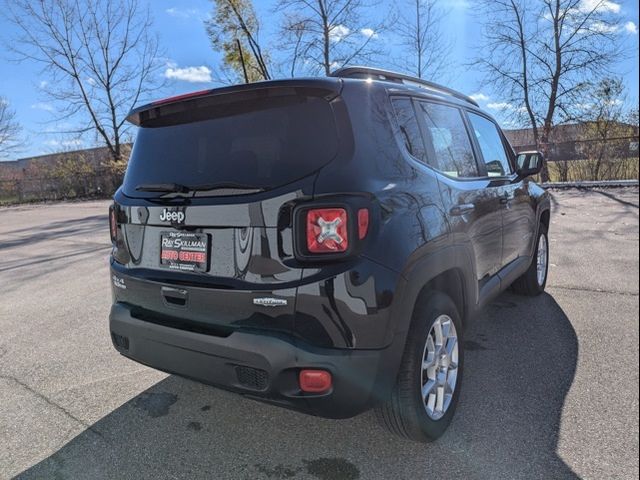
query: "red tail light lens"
327, 230
315, 381
363, 223
113, 224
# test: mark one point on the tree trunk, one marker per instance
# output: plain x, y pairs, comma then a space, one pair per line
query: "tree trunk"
543, 146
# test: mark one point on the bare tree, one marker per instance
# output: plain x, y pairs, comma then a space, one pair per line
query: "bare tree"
9, 129
234, 29
606, 133
426, 49
541, 56
322, 35
99, 54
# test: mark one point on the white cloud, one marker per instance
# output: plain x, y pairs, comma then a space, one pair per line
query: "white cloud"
91, 81
76, 142
479, 97
338, 32
47, 107
201, 74
605, 6
369, 32
607, 28
500, 106
602, 27
43, 83
631, 27
183, 13
59, 127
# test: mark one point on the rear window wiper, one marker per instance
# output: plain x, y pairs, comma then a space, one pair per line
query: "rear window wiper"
179, 188
225, 186
163, 187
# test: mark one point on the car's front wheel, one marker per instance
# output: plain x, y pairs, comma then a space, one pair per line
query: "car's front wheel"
427, 388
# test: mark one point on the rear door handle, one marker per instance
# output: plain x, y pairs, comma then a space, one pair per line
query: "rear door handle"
462, 209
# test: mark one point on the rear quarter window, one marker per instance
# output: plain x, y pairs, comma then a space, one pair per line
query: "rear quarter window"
409, 130
447, 135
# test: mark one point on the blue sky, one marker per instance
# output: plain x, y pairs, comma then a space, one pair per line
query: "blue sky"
190, 63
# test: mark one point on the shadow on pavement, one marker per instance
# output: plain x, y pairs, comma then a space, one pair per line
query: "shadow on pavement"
521, 358
611, 194
63, 229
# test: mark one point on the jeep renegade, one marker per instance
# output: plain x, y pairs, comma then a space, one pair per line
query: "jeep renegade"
320, 244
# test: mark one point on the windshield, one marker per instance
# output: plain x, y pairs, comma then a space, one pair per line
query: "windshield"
257, 144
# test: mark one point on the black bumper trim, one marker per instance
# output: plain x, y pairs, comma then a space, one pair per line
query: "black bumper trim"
360, 377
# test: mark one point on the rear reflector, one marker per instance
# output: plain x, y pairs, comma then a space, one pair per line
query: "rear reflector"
363, 223
315, 381
113, 224
327, 230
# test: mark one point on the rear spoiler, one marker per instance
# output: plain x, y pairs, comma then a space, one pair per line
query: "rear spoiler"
329, 88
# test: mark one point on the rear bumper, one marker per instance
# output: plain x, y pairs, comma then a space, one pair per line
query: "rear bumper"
260, 366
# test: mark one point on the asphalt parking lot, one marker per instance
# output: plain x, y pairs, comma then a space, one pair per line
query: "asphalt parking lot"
551, 383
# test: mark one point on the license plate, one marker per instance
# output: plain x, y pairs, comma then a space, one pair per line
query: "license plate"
184, 251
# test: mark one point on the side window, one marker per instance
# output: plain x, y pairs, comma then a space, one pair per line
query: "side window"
447, 134
490, 141
409, 127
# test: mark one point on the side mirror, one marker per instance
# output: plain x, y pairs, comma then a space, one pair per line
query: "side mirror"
529, 164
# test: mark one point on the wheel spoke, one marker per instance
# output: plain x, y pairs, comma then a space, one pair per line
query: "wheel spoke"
427, 388
437, 330
431, 402
451, 346
440, 399
446, 327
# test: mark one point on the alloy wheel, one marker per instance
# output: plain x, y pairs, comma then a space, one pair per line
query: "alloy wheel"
542, 260
439, 367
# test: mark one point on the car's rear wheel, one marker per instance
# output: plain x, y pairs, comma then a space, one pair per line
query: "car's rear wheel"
534, 280
427, 388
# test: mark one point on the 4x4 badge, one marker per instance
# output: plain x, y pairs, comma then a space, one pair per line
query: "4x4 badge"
270, 302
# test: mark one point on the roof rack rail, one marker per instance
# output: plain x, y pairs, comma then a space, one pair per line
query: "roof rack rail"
379, 74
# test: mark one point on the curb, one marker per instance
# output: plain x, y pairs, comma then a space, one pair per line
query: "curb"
591, 184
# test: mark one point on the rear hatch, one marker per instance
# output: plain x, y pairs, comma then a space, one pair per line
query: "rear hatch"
204, 212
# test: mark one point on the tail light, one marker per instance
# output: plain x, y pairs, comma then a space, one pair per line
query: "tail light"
327, 230
113, 224
331, 232
363, 223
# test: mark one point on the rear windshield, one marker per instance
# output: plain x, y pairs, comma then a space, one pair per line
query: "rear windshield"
257, 144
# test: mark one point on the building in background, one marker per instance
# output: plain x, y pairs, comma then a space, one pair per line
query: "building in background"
574, 141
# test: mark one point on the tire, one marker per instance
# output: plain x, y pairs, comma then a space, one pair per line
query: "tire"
529, 284
405, 413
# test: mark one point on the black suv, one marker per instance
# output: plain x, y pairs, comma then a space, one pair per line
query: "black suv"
320, 244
